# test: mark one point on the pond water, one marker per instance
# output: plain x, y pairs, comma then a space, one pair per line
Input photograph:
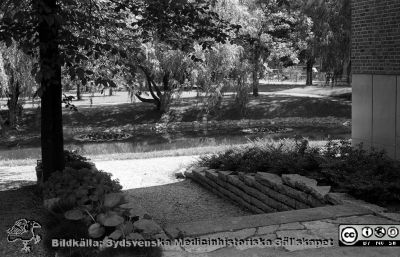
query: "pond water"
171, 141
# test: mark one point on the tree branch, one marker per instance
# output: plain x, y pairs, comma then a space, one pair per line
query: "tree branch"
159, 94
151, 84
146, 100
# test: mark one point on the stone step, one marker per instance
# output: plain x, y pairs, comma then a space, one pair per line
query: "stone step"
283, 199
220, 189
199, 228
307, 185
275, 182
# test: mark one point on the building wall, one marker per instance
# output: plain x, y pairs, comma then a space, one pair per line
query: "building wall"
376, 74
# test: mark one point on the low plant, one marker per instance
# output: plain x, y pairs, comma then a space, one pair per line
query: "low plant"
112, 219
72, 160
369, 175
80, 186
87, 203
281, 158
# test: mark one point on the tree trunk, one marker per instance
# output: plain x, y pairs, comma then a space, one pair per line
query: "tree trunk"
256, 71
165, 101
309, 80
13, 93
12, 103
13, 107
349, 72
52, 141
78, 91
110, 92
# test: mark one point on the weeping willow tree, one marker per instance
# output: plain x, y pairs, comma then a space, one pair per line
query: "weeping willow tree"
166, 71
16, 80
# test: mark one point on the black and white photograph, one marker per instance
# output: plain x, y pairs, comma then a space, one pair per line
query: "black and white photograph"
204, 128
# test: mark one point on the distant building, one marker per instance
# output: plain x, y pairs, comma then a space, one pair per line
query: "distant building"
376, 74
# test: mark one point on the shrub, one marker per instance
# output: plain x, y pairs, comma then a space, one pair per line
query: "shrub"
368, 175
86, 203
80, 186
72, 160
282, 158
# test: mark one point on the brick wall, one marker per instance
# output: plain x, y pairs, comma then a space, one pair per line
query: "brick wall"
376, 36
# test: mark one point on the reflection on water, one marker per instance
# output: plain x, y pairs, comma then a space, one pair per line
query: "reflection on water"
170, 141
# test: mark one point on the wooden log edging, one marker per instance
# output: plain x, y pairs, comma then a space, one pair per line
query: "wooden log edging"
263, 192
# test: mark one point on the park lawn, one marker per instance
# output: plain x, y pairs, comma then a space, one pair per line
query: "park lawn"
189, 109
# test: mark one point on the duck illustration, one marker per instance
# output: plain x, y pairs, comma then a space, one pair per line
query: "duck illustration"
23, 230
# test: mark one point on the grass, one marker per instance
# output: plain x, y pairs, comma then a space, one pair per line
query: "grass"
128, 156
191, 109
190, 151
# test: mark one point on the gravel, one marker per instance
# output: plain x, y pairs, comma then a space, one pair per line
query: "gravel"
184, 201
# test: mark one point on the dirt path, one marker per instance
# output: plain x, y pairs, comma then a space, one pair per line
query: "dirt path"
184, 201
136, 173
153, 184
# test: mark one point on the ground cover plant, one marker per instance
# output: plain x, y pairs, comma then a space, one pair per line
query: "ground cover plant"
82, 203
368, 175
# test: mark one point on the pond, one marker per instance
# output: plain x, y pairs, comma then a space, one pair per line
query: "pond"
172, 141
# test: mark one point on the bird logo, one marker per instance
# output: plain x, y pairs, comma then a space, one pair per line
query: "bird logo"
24, 231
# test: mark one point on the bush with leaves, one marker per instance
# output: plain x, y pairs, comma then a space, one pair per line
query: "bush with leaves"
80, 187
368, 175
73, 160
112, 219
87, 203
282, 158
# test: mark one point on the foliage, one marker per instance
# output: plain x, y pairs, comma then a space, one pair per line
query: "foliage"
165, 74
222, 68
102, 40
86, 203
269, 31
369, 175
80, 186
282, 158
331, 34
16, 80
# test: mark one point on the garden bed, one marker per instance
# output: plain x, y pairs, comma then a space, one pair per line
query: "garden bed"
275, 124
86, 203
368, 175
102, 136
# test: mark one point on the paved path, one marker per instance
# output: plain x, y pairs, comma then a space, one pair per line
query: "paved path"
136, 173
286, 227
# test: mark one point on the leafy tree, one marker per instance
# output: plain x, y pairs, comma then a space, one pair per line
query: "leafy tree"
87, 28
91, 29
169, 30
269, 31
16, 80
337, 52
223, 67
165, 71
331, 35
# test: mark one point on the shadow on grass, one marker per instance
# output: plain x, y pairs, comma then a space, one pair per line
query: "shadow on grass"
13, 185
268, 107
189, 109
